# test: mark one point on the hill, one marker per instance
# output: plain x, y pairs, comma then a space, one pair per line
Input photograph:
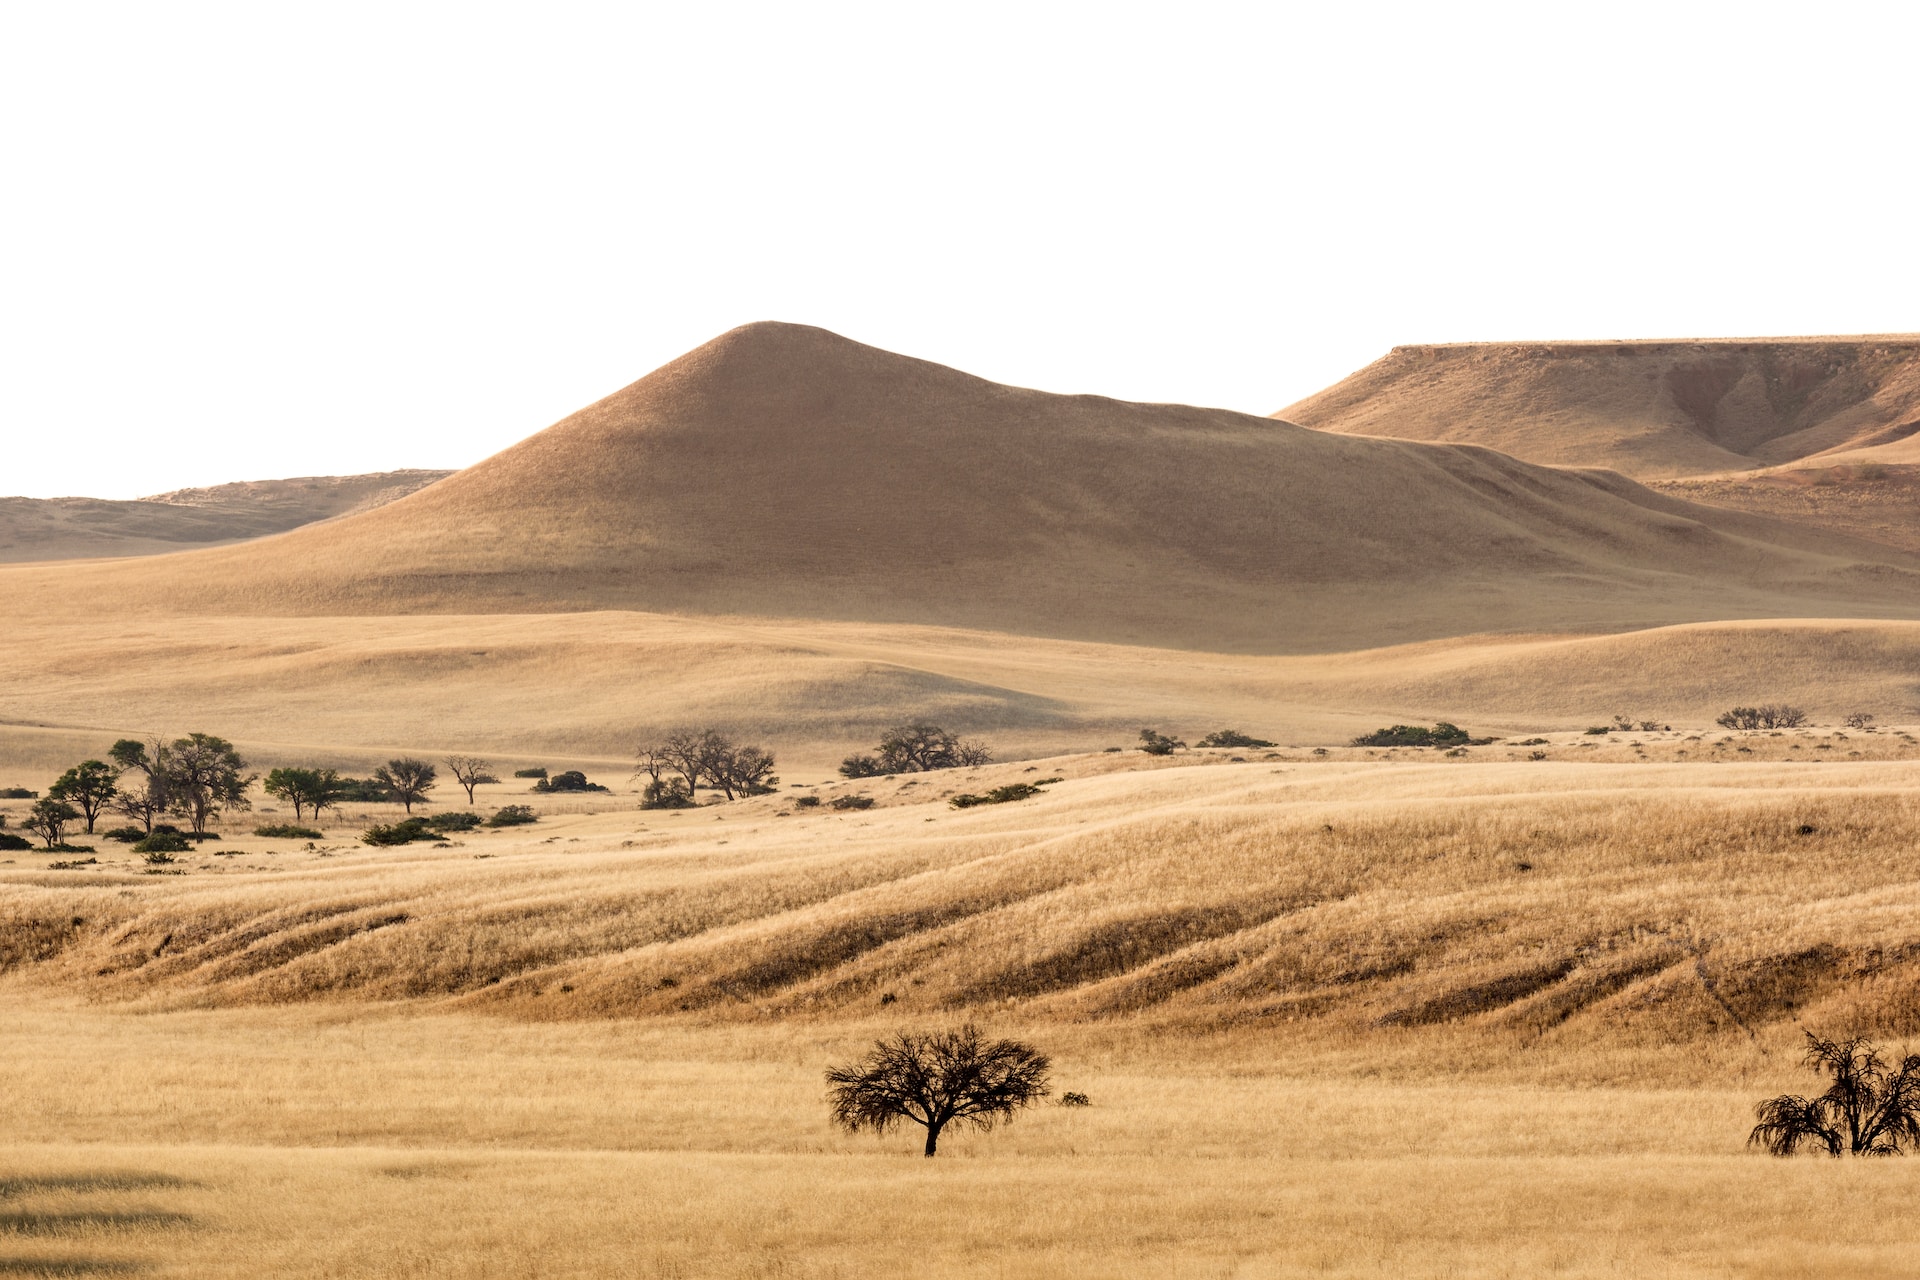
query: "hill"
783, 470
1647, 409
84, 528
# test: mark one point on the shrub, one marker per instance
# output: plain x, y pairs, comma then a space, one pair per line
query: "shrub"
1773, 715
1859, 719
403, 832
73, 864
529, 773
806, 802
163, 842
668, 793
363, 791
454, 821
852, 802
18, 793
287, 831
1442, 734
861, 766
1598, 731
1072, 1099
13, 843
1155, 743
1001, 795
513, 815
1231, 738
125, 835
571, 780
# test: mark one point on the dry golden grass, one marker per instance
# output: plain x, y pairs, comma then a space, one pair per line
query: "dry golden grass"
1330, 1023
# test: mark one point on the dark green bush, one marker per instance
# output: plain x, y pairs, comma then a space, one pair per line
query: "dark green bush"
1155, 743
667, 793
513, 815
862, 766
163, 842
287, 831
12, 843
403, 832
454, 821
125, 835
852, 802
529, 773
806, 802
1002, 795
1232, 738
571, 780
1413, 735
18, 793
363, 791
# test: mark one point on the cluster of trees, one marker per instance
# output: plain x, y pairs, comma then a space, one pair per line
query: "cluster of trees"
404, 781
195, 778
1155, 743
1413, 735
1774, 715
678, 765
916, 748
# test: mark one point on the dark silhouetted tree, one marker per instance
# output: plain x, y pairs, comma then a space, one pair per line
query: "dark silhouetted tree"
89, 786
917, 748
406, 781
470, 772
1868, 1110
736, 771
948, 1077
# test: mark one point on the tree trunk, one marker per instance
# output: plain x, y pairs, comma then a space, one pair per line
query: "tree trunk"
933, 1138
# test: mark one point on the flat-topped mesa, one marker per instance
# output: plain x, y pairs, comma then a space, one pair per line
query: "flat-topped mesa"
782, 470
1650, 408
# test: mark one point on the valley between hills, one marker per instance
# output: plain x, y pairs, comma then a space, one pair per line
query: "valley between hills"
1339, 1009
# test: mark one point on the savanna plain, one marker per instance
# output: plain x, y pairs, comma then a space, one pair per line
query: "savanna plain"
1500, 1006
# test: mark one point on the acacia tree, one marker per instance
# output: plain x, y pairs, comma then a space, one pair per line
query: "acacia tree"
935, 1080
89, 786
48, 819
406, 780
917, 748
470, 772
1868, 1110
203, 778
685, 752
306, 788
736, 771
147, 800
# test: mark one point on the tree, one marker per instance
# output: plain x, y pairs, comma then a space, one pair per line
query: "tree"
737, 771
935, 1080
1868, 1110
1443, 734
89, 786
917, 748
1155, 743
1773, 715
306, 788
470, 772
48, 819
1859, 720
684, 752
406, 780
203, 778
147, 800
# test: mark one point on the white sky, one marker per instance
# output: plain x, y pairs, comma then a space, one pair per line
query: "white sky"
259, 240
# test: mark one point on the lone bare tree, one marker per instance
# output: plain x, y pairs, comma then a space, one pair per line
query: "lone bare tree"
406, 780
935, 1080
1868, 1110
470, 772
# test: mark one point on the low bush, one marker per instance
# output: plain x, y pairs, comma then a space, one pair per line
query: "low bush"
806, 802
124, 835
513, 815
571, 780
161, 841
1072, 1099
18, 793
1442, 734
667, 793
1773, 715
64, 847
1859, 719
1002, 795
287, 831
852, 802
73, 864
454, 821
529, 773
1598, 731
364, 791
404, 832
12, 843
1155, 743
1231, 738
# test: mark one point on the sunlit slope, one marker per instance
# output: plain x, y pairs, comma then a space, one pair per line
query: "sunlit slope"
586, 688
1648, 409
1621, 902
782, 470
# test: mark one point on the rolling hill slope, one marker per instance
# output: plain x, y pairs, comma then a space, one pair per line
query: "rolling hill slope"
782, 470
1648, 409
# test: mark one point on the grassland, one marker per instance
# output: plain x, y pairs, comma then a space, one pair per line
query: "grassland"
1339, 1015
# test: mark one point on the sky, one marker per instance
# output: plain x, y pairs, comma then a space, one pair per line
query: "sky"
251, 241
